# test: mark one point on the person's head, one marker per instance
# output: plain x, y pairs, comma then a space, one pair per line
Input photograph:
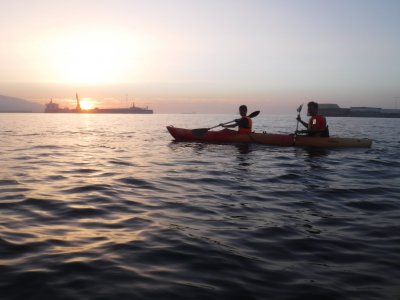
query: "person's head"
243, 110
312, 108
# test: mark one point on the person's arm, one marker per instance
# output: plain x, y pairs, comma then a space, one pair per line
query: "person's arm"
307, 131
319, 128
302, 122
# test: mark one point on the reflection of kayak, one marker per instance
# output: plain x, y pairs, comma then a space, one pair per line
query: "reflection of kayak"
274, 139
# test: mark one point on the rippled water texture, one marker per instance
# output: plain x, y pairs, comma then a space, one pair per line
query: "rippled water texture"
108, 207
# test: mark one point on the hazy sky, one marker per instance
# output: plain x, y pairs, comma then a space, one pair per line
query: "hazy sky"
208, 55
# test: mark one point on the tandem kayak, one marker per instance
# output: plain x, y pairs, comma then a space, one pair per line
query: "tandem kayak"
273, 139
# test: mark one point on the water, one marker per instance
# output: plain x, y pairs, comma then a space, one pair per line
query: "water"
108, 207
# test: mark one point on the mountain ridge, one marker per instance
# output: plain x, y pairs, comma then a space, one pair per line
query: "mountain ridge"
14, 104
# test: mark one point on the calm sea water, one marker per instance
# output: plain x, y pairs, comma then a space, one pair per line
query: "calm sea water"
109, 207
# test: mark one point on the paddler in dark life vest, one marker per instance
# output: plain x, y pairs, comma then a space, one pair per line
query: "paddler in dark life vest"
316, 126
245, 123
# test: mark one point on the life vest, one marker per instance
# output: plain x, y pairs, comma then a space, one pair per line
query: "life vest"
245, 125
318, 122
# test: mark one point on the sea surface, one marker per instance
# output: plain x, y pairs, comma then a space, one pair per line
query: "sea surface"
109, 207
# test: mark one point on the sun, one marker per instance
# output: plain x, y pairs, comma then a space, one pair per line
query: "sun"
86, 104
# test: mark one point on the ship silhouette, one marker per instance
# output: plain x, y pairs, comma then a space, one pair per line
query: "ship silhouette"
53, 107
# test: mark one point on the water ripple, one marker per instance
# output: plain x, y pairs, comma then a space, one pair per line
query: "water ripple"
103, 207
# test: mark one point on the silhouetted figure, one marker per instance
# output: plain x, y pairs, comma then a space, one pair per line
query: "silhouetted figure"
316, 126
245, 123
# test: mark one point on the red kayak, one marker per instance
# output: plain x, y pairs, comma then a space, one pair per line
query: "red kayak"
273, 139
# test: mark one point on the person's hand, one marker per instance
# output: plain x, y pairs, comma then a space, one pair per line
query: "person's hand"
301, 131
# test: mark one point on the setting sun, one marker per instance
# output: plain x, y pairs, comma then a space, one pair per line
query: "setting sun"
86, 104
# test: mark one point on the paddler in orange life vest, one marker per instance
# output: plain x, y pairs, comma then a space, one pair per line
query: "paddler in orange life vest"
245, 123
316, 126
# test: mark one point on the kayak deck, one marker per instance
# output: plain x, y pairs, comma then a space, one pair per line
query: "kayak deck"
273, 139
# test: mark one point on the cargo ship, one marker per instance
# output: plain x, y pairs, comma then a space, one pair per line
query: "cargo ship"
52, 107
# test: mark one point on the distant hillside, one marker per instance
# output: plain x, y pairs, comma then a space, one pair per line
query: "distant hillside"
12, 104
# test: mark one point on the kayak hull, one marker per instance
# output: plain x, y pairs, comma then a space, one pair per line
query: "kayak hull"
308, 141
222, 136
332, 142
272, 139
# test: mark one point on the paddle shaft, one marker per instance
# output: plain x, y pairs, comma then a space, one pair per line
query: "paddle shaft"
298, 116
297, 126
222, 124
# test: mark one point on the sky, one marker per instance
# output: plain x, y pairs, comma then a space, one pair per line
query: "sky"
204, 56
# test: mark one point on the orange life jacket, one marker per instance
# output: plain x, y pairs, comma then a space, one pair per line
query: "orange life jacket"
317, 122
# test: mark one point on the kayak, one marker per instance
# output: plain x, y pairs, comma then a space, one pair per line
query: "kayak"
272, 139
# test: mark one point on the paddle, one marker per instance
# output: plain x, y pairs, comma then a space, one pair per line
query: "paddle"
298, 116
201, 131
297, 126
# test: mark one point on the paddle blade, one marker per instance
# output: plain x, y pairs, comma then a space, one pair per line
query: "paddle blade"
254, 114
299, 108
200, 131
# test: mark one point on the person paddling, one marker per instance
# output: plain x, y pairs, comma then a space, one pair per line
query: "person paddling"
245, 123
316, 126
